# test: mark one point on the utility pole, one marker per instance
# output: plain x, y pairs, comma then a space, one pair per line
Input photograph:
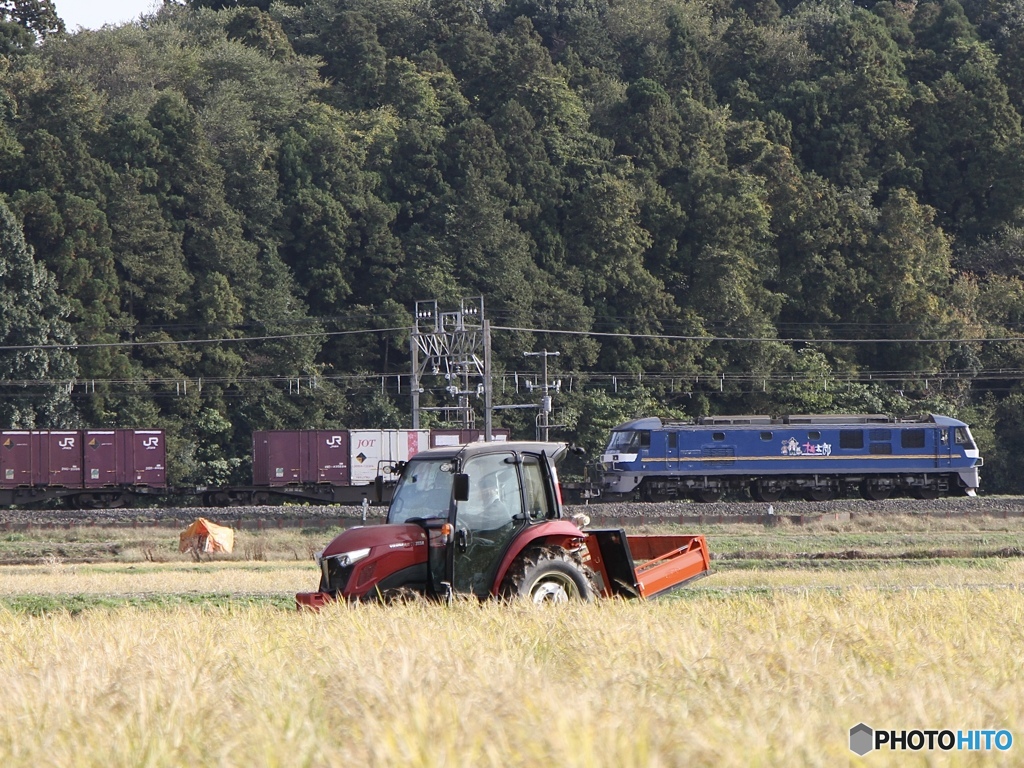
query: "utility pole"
544, 417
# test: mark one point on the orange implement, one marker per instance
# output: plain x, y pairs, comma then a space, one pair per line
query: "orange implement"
665, 562
312, 600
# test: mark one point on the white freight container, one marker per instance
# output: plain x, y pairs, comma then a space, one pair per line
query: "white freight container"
371, 448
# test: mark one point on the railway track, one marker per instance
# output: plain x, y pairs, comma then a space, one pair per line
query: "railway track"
601, 515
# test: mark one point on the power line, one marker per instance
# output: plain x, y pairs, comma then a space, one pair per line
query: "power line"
515, 379
191, 342
772, 376
751, 339
517, 329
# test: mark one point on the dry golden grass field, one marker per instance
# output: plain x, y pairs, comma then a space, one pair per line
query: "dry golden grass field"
144, 657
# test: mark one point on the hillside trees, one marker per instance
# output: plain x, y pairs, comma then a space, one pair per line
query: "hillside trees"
36, 368
184, 207
242, 200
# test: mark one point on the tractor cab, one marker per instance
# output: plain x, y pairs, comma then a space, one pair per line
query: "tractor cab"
474, 504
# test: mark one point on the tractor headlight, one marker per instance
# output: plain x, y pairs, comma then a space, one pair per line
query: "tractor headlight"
346, 559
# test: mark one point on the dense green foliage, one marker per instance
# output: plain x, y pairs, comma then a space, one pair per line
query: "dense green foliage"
734, 206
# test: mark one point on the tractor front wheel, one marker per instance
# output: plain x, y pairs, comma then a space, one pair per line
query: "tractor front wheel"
548, 575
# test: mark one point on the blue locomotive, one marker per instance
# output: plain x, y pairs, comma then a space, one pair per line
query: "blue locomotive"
814, 457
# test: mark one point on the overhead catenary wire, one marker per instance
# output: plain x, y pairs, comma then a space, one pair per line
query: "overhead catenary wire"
516, 329
735, 376
753, 339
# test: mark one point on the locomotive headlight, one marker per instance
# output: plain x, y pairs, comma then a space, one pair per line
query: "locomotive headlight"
345, 559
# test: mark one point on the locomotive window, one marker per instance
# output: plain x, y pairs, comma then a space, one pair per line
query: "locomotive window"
620, 441
718, 436
881, 434
963, 437
815, 435
673, 439
766, 435
881, 448
851, 438
912, 438
635, 442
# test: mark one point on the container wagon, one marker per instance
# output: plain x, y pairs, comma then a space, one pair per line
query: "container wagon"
86, 468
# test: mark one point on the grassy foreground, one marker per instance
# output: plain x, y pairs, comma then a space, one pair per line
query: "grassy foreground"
148, 658
708, 679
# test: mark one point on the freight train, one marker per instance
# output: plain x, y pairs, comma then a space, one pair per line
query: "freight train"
813, 457
102, 469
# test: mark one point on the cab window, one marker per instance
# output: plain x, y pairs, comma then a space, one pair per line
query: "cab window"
494, 495
963, 437
538, 504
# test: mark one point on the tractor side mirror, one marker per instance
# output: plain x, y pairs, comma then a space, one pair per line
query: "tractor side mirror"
378, 487
461, 487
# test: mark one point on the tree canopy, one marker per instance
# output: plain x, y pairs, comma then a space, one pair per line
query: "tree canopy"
233, 206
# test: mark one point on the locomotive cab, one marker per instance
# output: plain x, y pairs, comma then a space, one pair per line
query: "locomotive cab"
622, 460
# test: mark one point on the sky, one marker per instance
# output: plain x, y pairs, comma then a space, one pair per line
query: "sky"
93, 14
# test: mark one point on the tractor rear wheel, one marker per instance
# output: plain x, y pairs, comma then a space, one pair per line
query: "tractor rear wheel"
548, 575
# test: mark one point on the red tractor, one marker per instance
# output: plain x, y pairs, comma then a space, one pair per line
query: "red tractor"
487, 519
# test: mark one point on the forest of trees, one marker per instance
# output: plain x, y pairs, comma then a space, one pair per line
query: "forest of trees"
219, 218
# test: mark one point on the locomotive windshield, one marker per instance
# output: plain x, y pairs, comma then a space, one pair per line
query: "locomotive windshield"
625, 442
424, 490
963, 437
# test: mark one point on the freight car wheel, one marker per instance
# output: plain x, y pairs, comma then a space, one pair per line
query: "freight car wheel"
874, 492
763, 493
548, 575
646, 494
706, 495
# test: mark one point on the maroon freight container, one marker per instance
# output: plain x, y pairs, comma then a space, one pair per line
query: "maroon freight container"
328, 456
300, 456
15, 458
101, 460
121, 457
58, 455
40, 458
145, 452
275, 457
442, 437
